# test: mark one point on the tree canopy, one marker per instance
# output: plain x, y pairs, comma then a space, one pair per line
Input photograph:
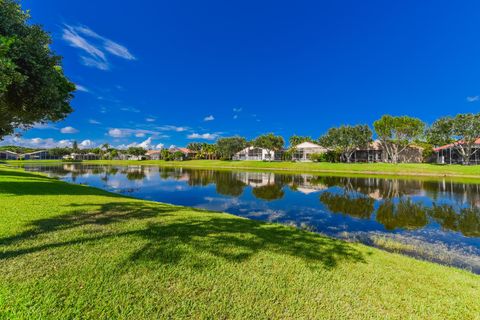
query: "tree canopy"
227, 147
33, 88
270, 142
346, 139
462, 130
397, 133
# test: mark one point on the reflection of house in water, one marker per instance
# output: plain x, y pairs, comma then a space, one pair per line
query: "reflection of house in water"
307, 184
256, 179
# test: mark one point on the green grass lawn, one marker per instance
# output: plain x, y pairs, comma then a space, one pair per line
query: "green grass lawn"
415, 169
71, 251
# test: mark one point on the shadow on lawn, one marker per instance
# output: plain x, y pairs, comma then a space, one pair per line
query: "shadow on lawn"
169, 234
172, 236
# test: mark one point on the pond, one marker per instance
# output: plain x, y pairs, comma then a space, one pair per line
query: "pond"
438, 220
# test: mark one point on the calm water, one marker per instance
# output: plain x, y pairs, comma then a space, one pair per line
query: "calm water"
440, 218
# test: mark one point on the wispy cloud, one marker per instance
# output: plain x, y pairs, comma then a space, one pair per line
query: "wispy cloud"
130, 109
44, 126
94, 46
93, 121
126, 132
236, 111
81, 88
209, 118
68, 130
203, 136
172, 128
473, 98
150, 119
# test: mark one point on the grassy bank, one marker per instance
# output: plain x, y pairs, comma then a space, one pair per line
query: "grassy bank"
413, 169
71, 251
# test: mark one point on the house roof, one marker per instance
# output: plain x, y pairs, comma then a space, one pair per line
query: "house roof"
8, 151
306, 144
453, 144
150, 152
34, 152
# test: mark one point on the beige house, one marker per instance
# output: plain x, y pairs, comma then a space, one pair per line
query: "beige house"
305, 149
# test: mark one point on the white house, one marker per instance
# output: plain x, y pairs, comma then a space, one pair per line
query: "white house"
8, 155
254, 153
305, 149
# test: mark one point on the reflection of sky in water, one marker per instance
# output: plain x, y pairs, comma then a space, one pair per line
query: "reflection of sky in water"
296, 200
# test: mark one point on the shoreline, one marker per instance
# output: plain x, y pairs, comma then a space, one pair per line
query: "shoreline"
370, 169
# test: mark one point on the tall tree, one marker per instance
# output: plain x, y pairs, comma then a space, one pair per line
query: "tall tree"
227, 147
462, 131
270, 142
136, 151
397, 133
346, 139
296, 140
75, 147
33, 87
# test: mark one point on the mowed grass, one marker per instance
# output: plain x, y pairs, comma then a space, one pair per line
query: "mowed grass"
71, 251
412, 169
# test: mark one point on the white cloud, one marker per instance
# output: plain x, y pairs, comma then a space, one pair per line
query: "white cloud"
81, 88
68, 130
91, 62
117, 133
118, 50
204, 136
209, 118
93, 121
473, 98
150, 119
124, 132
86, 144
237, 109
146, 144
172, 128
130, 109
95, 46
40, 143
235, 116
44, 126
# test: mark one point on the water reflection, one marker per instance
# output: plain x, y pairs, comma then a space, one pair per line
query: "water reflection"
442, 217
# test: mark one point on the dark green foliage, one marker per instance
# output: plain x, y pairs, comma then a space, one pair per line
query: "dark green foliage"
346, 139
397, 133
227, 147
33, 87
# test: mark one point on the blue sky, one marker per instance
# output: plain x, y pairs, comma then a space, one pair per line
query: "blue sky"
171, 72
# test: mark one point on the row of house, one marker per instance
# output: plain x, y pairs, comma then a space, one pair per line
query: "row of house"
303, 152
36, 155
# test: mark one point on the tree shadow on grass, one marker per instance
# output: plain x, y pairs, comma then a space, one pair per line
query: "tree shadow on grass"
170, 234
237, 240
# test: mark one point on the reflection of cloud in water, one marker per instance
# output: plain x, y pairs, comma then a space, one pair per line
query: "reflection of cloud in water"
269, 214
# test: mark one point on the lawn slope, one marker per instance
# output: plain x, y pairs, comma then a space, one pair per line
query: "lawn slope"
71, 251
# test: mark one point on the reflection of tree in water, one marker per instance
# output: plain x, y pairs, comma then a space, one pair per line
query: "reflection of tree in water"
200, 177
403, 214
135, 174
269, 192
465, 220
359, 206
228, 184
